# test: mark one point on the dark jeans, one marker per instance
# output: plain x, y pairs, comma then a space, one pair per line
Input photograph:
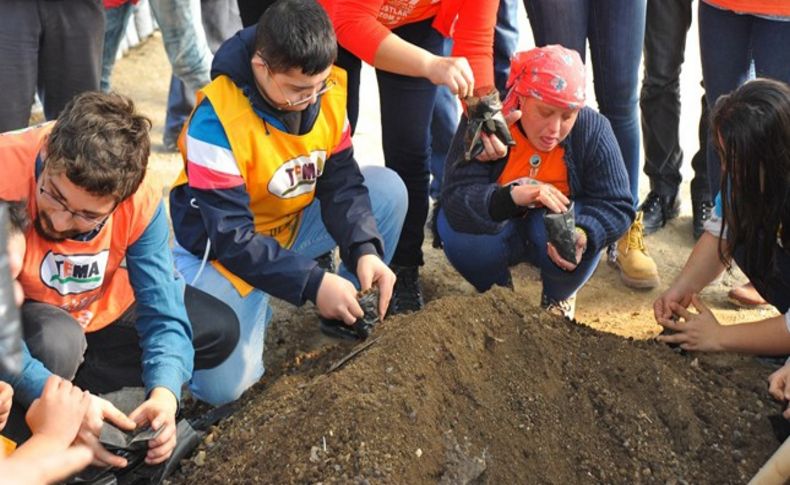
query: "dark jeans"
615, 30
111, 358
484, 259
55, 47
406, 109
729, 44
667, 24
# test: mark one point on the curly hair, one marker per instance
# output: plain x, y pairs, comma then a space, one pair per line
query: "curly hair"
101, 144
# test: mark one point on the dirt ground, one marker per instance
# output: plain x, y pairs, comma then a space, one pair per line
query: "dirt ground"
487, 389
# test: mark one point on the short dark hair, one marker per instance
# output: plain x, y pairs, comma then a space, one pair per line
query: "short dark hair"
751, 132
101, 144
296, 34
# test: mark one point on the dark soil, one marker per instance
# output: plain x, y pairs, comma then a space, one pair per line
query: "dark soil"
489, 389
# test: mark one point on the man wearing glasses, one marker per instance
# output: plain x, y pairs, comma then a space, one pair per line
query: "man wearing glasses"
104, 306
270, 182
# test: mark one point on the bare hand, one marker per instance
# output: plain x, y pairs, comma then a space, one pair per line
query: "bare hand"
695, 331
493, 148
6, 399
453, 72
540, 195
45, 467
99, 411
554, 255
779, 387
372, 270
662, 310
159, 411
337, 299
59, 412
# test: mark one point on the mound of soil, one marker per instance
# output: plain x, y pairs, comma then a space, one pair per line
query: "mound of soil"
489, 389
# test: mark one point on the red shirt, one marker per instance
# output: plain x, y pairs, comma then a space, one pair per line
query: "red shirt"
361, 26
763, 7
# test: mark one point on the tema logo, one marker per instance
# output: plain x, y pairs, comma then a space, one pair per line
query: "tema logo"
69, 273
298, 175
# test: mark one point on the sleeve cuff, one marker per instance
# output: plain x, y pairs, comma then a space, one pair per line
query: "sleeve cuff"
313, 283
169, 378
501, 206
359, 250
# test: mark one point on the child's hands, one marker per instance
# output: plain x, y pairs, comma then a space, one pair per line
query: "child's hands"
779, 387
59, 412
6, 399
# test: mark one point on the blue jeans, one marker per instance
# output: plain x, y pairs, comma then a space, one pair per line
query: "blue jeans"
615, 30
484, 259
183, 36
244, 367
730, 45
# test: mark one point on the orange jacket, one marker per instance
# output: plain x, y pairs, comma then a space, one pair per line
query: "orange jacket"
763, 7
361, 25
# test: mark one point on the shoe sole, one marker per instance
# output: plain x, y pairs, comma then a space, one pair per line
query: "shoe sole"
635, 283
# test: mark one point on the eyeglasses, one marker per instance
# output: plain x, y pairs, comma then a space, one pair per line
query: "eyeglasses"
328, 84
77, 216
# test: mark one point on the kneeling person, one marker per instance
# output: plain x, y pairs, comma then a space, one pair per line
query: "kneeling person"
493, 207
270, 183
104, 306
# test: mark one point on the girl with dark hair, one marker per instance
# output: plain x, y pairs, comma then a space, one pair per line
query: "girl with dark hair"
751, 132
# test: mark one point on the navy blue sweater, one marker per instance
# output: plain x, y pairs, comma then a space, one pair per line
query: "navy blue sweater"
596, 176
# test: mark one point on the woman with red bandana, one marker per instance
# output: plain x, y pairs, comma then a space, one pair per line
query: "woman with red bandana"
565, 158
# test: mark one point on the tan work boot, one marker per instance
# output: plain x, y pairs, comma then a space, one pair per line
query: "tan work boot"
637, 268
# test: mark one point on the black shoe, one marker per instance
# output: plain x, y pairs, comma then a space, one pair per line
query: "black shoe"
701, 212
407, 296
327, 262
658, 209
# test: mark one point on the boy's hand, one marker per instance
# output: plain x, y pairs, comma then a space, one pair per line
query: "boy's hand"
159, 411
6, 399
99, 411
337, 299
58, 413
371, 270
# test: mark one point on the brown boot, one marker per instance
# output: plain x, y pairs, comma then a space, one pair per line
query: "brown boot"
637, 268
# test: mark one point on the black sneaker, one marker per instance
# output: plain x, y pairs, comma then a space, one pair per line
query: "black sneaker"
701, 212
407, 295
658, 209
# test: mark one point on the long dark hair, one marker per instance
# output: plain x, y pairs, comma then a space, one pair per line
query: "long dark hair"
751, 132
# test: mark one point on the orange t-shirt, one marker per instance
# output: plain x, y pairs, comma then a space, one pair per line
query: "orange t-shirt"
85, 278
527, 162
780, 8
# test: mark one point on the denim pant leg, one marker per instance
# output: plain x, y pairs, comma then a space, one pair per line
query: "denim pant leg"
617, 31
115, 20
482, 259
665, 43
406, 108
185, 40
443, 125
388, 202
20, 30
180, 103
505, 41
558, 284
244, 367
561, 22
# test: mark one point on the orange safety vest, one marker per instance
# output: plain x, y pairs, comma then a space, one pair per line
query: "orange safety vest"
85, 278
279, 169
526, 162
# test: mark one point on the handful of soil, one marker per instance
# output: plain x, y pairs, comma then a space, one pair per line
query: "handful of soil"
561, 229
362, 328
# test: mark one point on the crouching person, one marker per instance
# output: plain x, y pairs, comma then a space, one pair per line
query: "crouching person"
565, 156
270, 182
104, 307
